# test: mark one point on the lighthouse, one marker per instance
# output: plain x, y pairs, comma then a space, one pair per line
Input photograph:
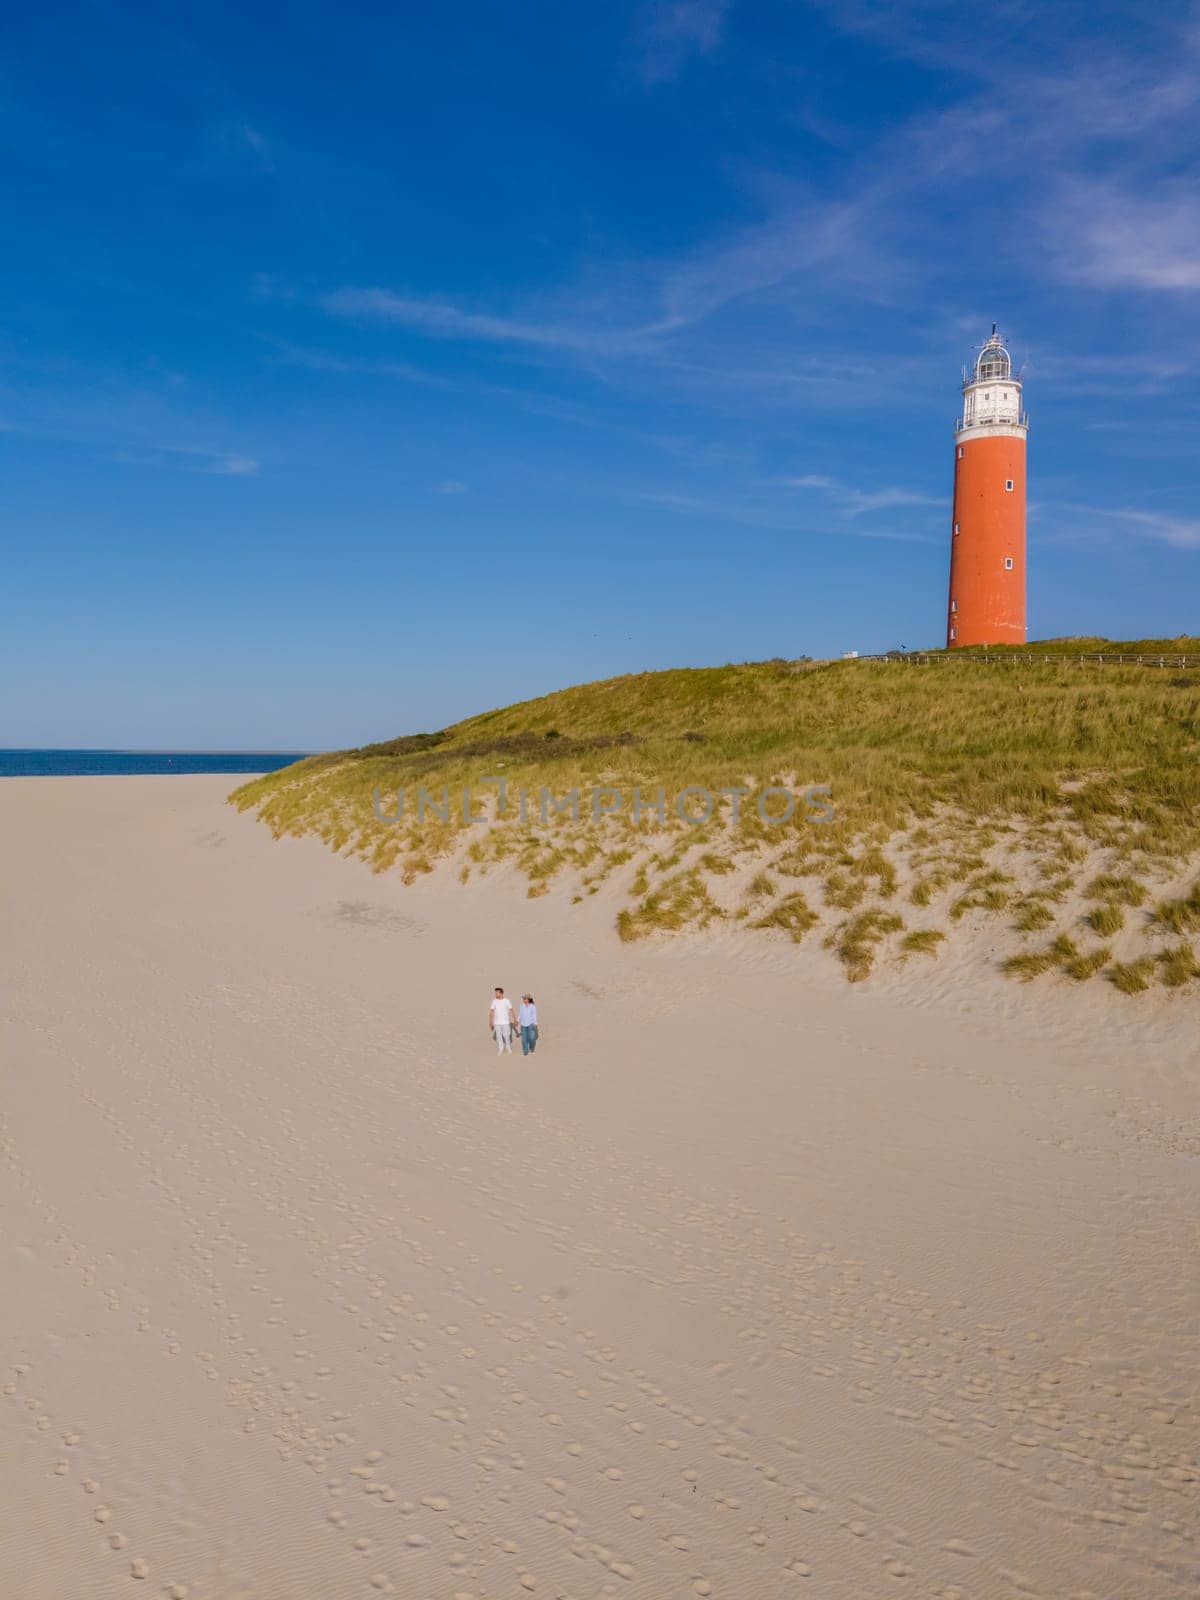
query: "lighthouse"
987, 542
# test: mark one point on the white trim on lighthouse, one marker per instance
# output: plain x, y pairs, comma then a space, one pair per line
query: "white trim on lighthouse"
1019, 430
991, 398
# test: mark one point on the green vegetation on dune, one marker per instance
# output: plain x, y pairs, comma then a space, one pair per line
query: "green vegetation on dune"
1183, 645
950, 775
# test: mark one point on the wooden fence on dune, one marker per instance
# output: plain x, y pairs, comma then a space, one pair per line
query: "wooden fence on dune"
1034, 658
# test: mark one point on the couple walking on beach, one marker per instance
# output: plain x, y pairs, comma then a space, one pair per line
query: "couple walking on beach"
501, 1023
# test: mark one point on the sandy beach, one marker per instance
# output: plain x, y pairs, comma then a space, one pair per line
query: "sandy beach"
748, 1284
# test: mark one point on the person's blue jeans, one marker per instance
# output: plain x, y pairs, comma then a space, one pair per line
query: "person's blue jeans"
528, 1039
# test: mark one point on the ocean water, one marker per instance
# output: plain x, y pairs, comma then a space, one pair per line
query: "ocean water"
108, 763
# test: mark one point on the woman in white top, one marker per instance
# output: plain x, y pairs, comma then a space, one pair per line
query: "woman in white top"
500, 1021
527, 1020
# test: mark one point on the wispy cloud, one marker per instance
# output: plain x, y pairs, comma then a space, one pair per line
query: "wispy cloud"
1109, 372
148, 420
1111, 238
868, 237
258, 147
767, 510
232, 466
441, 320
1117, 126
800, 232
232, 147
1182, 533
538, 403
353, 366
671, 31
858, 502
191, 458
1071, 44
453, 486
650, 304
1032, 165
244, 145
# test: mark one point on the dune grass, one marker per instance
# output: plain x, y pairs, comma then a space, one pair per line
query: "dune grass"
1177, 966
1106, 919
951, 783
680, 902
1120, 890
985, 892
1032, 914
1132, 977
1182, 915
1060, 955
855, 942
792, 915
1084, 965
1032, 963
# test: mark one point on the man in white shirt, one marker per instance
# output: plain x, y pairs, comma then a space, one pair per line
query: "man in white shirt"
500, 1021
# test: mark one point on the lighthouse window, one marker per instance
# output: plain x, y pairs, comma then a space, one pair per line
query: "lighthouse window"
1008, 563
960, 448
1008, 483
993, 363
954, 633
954, 605
956, 527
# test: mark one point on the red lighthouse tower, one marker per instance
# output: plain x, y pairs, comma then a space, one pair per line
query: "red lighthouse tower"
987, 546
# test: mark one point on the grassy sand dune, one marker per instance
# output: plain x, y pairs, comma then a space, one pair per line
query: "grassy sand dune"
1060, 801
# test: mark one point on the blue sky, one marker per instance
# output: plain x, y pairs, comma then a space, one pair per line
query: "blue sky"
365, 366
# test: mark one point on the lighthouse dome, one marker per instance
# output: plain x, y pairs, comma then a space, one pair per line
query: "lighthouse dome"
993, 362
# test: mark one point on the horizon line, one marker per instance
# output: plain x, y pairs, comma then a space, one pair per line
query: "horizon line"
141, 750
